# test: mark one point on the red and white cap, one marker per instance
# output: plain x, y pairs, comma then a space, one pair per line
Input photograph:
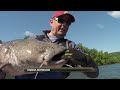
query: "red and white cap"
60, 13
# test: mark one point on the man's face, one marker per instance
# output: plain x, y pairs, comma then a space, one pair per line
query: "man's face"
60, 25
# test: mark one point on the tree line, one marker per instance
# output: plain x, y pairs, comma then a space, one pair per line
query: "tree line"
100, 57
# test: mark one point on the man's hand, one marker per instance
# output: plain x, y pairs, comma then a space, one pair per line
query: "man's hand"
75, 57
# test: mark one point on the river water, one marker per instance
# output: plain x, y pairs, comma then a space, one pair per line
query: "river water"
105, 72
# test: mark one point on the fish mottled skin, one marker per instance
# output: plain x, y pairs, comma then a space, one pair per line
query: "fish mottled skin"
17, 55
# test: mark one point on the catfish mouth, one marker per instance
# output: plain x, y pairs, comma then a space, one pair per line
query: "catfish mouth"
58, 61
58, 57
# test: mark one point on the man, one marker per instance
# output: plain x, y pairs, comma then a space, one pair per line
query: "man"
60, 22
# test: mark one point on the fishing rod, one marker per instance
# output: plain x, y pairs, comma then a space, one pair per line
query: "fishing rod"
62, 69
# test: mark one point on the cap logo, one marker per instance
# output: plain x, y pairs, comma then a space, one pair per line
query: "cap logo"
65, 12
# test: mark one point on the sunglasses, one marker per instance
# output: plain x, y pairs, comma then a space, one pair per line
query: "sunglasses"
61, 20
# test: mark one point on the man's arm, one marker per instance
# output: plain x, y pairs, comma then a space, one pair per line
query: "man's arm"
91, 63
80, 58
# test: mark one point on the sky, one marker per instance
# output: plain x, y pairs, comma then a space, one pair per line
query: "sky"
94, 29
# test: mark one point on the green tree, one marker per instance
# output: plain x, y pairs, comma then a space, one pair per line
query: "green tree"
100, 57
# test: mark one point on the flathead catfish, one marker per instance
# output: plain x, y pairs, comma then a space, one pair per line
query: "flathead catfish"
17, 55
